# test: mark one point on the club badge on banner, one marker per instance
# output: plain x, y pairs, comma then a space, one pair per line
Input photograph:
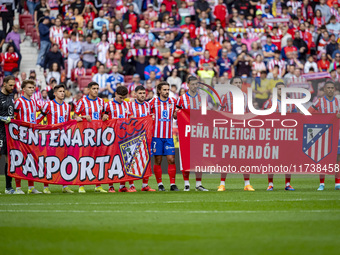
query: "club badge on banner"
80, 153
222, 142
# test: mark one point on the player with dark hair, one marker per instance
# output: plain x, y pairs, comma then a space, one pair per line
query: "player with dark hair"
25, 109
191, 100
91, 108
227, 105
141, 108
328, 104
290, 108
117, 109
57, 111
164, 109
6, 114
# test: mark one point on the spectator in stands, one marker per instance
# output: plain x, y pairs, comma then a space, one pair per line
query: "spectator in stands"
261, 88
243, 62
102, 49
79, 71
88, 50
324, 9
10, 59
258, 65
74, 49
310, 64
255, 50
152, 67
45, 44
14, 38
54, 71
226, 64
113, 79
100, 21
213, 46
268, 49
39, 11
331, 47
174, 79
301, 45
95, 68
101, 78
52, 56
130, 17
335, 63
323, 63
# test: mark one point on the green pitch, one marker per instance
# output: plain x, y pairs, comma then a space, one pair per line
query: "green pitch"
305, 221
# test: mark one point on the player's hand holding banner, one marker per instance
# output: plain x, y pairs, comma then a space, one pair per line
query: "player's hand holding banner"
222, 142
80, 153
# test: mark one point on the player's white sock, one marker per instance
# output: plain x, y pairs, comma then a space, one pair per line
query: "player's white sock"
121, 186
186, 183
144, 185
246, 183
287, 184
222, 183
65, 186
271, 184
30, 187
161, 183
198, 183
132, 185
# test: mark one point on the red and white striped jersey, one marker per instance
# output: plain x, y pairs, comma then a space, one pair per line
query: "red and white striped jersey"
127, 36
289, 108
26, 110
228, 104
164, 112
41, 102
111, 37
295, 5
64, 46
138, 110
55, 112
57, 35
258, 67
116, 110
91, 107
323, 105
201, 31
281, 63
133, 86
188, 102
299, 82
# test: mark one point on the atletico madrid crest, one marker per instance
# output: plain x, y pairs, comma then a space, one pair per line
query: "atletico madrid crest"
135, 154
317, 140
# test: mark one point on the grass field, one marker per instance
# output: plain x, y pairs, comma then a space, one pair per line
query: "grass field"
234, 222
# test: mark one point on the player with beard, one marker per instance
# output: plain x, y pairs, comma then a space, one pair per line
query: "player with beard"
164, 109
191, 100
6, 114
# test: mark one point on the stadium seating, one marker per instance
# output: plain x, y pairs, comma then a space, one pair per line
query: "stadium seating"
83, 81
128, 79
23, 19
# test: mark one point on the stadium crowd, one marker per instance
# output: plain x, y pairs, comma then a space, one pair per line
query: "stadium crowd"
144, 42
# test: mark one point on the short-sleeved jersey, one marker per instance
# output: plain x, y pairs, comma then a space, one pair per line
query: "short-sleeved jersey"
323, 105
164, 112
290, 107
55, 112
188, 102
138, 110
26, 110
91, 107
117, 110
57, 35
228, 103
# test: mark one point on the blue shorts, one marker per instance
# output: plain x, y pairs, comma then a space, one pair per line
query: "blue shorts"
162, 146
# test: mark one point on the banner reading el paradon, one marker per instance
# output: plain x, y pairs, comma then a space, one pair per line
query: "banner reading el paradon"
226, 143
80, 153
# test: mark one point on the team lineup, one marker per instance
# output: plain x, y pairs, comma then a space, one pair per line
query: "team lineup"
163, 110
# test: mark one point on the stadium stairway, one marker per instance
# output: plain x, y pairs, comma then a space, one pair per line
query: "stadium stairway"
29, 54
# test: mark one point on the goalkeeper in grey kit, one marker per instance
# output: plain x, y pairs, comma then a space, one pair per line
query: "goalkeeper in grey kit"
6, 114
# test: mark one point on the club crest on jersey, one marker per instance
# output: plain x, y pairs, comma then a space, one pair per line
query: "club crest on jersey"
317, 140
135, 154
165, 114
96, 115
